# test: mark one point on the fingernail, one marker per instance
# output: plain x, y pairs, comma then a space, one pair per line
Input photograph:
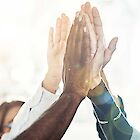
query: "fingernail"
116, 39
77, 14
87, 3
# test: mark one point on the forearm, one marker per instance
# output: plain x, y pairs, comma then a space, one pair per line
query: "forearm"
55, 121
110, 118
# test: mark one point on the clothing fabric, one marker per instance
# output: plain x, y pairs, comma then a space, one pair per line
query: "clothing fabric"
30, 112
105, 111
111, 119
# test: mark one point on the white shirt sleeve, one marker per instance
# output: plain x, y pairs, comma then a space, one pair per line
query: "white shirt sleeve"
30, 112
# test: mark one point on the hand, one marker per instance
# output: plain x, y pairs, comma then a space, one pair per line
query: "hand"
56, 51
57, 44
97, 26
95, 18
78, 60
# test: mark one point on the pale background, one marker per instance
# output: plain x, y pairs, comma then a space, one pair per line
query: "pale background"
24, 28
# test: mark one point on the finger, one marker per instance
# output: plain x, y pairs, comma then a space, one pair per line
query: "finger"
79, 39
70, 50
112, 44
69, 43
67, 57
83, 8
110, 50
76, 38
64, 29
88, 11
93, 39
50, 40
58, 31
97, 22
99, 57
85, 50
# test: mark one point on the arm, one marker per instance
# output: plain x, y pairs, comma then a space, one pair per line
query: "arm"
55, 53
111, 121
55, 121
31, 110
53, 124
108, 114
45, 96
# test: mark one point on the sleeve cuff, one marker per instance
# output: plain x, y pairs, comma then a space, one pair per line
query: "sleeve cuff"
105, 107
102, 99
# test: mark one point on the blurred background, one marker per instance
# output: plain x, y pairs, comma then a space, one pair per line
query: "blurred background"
24, 28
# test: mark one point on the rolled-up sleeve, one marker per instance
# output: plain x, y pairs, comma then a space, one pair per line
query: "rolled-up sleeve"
30, 112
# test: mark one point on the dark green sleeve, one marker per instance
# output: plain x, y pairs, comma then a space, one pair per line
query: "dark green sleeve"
111, 120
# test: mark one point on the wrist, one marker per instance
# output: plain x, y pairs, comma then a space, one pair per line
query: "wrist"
78, 95
96, 81
51, 81
98, 90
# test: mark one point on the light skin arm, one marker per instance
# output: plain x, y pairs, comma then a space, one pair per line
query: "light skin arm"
104, 105
98, 27
77, 64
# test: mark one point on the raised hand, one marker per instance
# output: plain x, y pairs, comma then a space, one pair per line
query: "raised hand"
78, 61
98, 28
77, 76
57, 43
56, 51
95, 18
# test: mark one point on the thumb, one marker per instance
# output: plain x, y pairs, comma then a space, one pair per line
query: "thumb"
110, 50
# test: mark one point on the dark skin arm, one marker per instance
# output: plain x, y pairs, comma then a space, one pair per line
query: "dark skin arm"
77, 82
55, 121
